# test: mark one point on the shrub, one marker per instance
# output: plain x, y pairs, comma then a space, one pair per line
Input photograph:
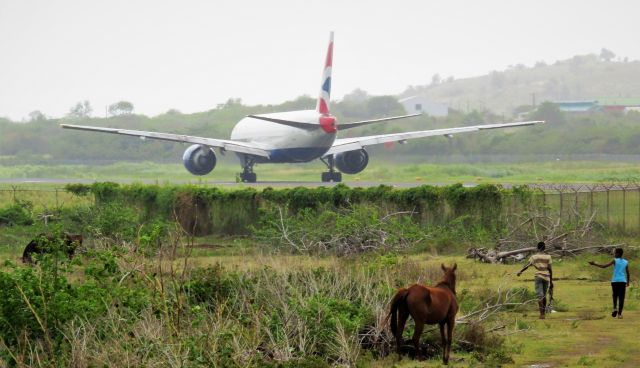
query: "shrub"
18, 213
38, 301
212, 285
114, 220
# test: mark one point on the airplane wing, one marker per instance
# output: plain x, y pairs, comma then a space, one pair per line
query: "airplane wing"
224, 144
343, 126
351, 144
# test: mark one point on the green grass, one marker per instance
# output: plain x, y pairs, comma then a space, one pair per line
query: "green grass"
582, 334
41, 196
378, 171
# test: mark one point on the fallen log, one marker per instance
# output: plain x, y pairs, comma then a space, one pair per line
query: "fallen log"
493, 256
597, 248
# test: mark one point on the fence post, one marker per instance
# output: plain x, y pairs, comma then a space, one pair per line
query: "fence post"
608, 218
577, 214
561, 203
624, 208
56, 197
15, 188
590, 201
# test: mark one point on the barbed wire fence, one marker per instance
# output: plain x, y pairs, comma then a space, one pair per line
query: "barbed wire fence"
614, 205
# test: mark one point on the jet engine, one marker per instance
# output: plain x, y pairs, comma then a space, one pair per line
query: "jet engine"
199, 160
352, 162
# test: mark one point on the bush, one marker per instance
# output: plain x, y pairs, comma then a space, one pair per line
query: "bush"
325, 315
485, 347
212, 285
114, 220
36, 303
18, 213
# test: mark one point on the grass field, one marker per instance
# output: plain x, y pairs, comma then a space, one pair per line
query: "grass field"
377, 171
581, 334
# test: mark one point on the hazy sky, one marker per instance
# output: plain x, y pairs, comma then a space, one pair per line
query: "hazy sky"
192, 55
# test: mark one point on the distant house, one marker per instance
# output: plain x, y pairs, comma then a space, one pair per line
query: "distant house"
620, 104
419, 104
577, 106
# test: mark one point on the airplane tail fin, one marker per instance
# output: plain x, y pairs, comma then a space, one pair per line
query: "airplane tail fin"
325, 87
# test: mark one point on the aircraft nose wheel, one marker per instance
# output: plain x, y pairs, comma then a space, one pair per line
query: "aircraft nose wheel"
331, 176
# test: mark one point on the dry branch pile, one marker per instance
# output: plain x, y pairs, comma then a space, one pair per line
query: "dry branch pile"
347, 232
562, 237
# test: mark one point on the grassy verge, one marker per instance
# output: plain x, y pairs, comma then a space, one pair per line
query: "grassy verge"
378, 171
581, 333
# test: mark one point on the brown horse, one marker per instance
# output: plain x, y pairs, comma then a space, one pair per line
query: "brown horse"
428, 305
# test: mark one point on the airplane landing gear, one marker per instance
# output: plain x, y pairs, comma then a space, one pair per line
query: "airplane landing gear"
329, 176
247, 175
332, 175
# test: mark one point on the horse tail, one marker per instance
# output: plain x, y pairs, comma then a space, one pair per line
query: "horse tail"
400, 297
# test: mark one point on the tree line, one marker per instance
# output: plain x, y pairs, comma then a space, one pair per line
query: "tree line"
564, 134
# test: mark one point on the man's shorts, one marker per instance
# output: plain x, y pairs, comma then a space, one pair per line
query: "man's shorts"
541, 287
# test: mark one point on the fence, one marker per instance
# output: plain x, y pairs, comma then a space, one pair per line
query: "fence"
41, 198
616, 206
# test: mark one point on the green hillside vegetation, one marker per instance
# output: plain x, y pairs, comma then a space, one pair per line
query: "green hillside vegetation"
583, 77
43, 142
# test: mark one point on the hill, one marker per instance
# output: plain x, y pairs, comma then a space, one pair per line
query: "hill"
582, 77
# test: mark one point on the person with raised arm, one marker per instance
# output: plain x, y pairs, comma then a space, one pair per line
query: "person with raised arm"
619, 280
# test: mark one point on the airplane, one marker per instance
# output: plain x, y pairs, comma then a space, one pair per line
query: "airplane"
294, 137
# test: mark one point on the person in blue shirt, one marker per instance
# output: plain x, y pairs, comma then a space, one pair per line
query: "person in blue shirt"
619, 280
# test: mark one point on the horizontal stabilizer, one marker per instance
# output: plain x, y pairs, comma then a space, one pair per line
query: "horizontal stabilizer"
297, 124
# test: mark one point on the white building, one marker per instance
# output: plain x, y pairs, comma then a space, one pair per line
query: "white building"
419, 104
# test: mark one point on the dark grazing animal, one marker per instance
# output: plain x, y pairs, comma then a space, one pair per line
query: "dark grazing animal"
428, 305
43, 244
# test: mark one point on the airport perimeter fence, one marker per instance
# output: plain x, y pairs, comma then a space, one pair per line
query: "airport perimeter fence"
615, 206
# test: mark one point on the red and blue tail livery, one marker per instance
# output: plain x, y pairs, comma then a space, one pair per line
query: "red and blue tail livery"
325, 86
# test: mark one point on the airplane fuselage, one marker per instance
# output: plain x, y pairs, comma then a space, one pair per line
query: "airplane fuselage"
286, 144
